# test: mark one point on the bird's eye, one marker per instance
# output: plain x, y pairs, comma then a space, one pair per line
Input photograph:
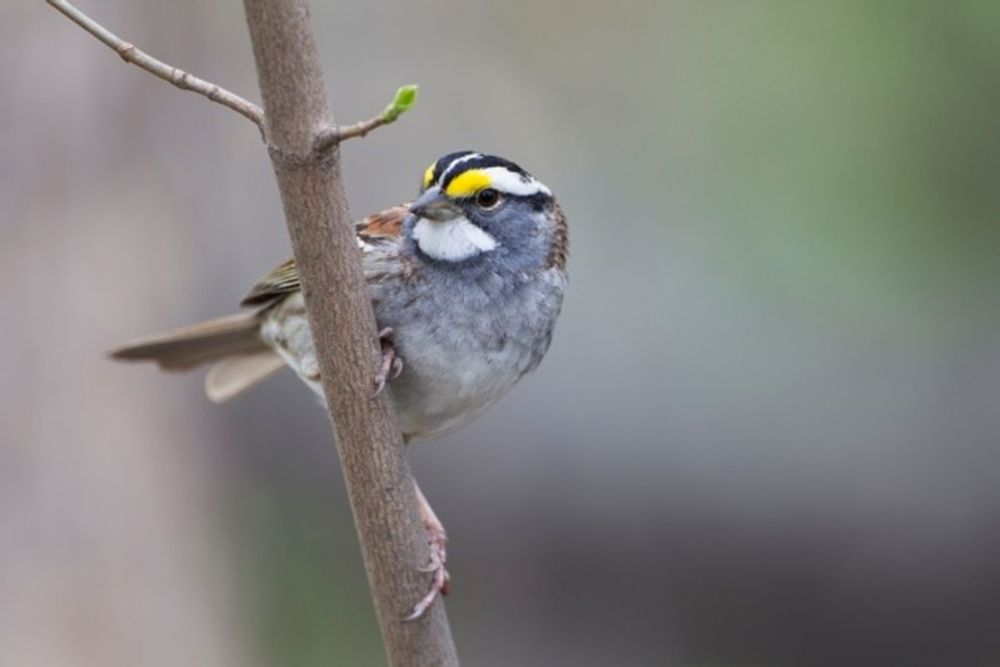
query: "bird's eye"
488, 198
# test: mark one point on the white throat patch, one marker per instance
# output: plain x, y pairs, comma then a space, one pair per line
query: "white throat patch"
452, 241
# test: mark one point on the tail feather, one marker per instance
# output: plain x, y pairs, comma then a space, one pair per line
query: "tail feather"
197, 344
234, 375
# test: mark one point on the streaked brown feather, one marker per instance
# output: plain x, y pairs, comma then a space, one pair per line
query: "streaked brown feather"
385, 225
560, 240
280, 281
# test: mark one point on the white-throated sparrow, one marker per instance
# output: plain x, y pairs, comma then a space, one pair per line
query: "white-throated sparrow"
466, 283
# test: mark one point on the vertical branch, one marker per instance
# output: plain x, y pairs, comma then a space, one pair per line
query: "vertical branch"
378, 477
303, 143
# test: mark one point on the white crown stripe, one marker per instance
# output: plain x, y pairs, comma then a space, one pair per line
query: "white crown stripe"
513, 183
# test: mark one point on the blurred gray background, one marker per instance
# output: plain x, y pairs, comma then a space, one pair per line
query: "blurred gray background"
768, 431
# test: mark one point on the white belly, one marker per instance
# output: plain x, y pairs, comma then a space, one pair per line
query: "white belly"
439, 390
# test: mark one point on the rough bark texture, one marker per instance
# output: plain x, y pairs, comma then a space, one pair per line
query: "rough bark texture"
378, 476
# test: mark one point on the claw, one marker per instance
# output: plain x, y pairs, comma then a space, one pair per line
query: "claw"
438, 541
439, 586
379, 385
392, 364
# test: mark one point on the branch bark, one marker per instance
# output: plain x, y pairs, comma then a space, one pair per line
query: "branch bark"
378, 476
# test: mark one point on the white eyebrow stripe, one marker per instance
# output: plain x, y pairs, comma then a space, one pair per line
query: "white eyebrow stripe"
513, 183
454, 163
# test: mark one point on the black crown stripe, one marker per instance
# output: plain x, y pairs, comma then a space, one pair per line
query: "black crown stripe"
482, 162
443, 163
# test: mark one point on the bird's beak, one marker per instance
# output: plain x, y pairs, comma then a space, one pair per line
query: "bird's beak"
434, 205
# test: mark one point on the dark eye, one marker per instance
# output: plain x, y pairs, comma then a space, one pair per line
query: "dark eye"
488, 198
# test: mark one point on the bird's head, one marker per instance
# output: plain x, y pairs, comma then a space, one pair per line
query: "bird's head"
474, 205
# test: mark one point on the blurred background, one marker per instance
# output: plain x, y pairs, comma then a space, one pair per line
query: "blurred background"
768, 431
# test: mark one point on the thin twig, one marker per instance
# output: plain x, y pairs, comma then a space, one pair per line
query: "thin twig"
332, 136
183, 80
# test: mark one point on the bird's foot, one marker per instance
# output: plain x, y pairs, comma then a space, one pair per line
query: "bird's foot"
441, 578
437, 540
392, 363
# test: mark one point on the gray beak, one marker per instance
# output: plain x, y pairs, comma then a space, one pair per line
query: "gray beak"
434, 205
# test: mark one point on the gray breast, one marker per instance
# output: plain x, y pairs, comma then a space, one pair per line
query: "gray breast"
465, 344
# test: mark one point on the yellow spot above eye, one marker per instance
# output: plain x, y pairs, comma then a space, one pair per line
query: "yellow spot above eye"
429, 175
468, 184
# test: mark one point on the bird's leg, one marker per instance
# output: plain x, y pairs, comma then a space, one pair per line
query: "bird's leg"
392, 364
438, 540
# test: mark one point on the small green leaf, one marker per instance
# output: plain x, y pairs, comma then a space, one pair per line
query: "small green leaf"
405, 98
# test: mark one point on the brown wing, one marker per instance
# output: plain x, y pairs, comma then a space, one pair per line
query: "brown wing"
385, 225
380, 228
560, 241
282, 280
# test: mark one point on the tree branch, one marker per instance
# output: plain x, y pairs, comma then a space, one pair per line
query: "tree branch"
183, 80
379, 482
302, 141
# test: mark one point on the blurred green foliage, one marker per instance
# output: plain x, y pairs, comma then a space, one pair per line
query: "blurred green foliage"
856, 150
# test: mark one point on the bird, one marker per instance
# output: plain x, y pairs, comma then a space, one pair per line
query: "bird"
466, 283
